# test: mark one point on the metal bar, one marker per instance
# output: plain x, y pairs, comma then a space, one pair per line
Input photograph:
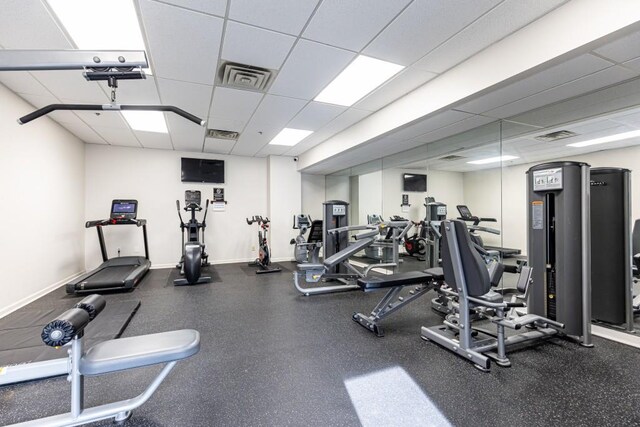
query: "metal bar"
322, 289
77, 380
109, 107
32, 60
628, 274
33, 371
146, 244
103, 246
585, 179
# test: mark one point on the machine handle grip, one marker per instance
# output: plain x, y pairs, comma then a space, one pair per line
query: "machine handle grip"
251, 221
65, 327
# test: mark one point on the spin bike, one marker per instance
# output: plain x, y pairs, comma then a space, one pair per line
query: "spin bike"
263, 261
194, 256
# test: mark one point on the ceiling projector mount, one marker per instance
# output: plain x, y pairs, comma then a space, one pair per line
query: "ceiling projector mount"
109, 66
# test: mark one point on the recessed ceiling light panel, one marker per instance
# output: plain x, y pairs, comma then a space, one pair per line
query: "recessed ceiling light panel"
146, 121
492, 160
290, 137
362, 76
605, 139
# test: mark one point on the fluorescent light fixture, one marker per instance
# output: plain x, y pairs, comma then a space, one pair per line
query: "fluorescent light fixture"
147, 121
362, 76
290, 137
100, 24
605, 139
492, 160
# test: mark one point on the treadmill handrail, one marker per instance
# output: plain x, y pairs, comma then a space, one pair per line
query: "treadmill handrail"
105, 222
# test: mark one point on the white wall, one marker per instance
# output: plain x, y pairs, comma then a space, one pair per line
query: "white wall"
284, 202
446, 187
514, 196
313, 195
41, 222
153, 178
337, 188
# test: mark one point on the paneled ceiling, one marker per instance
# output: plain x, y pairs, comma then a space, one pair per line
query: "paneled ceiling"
308, 43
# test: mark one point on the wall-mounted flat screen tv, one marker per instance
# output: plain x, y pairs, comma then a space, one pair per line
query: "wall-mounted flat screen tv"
414, 182
202, 170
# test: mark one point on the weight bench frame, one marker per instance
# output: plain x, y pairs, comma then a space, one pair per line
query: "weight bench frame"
393, 301
79, 363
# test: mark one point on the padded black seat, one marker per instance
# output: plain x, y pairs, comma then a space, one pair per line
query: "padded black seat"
393, 280
436, 272
135, 352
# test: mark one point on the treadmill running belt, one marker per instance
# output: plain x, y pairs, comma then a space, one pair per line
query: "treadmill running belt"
115, 274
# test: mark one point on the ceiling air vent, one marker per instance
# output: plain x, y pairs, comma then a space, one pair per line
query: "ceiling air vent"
451, 158
222, 134
554, 136
247, 77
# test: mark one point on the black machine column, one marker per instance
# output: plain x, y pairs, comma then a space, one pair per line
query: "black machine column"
611, 275
335, 215
559, 246
436, 212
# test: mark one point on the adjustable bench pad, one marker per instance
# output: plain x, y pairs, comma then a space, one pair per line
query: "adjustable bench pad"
135, 352
393, 280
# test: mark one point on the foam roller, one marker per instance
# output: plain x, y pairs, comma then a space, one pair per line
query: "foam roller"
60, 331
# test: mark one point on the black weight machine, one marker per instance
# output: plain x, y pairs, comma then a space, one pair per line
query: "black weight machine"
193, 256
263, 262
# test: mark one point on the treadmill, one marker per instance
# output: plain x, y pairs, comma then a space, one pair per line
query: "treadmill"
465, 215
121, 273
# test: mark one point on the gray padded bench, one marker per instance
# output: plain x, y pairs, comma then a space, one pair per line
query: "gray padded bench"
136, 352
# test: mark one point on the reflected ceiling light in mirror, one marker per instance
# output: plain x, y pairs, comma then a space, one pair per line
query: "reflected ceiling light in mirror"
147, 121
362, 76
290, 137
492, 160
605, 139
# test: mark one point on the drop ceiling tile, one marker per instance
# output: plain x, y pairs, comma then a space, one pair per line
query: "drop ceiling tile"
22, 82
232, 108
631, 118
309, 69
142, 91
634, 64
214, 7
218, 146
574, 88
190, 57
272, 150
287, 16
71, 85
157, 140
26, 24
407, 80
423, 26
269, 119
503, 20
564, 72
191, 97
623, 49
85, 133
333, 22
343, 121
105, 119
315, 115
115, 136
184, 134
250, 45
427, 125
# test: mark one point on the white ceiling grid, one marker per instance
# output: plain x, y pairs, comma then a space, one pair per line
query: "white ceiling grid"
308, 42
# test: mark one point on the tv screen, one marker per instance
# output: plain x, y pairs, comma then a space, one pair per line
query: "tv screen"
202, 170
414, 182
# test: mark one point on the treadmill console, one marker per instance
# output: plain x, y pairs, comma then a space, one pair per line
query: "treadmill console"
124, 210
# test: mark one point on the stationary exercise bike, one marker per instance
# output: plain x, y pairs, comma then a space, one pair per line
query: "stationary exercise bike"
194, 256
415, 244
263, 261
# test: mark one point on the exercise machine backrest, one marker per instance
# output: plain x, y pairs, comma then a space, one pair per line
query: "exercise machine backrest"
476, 274
559, 245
